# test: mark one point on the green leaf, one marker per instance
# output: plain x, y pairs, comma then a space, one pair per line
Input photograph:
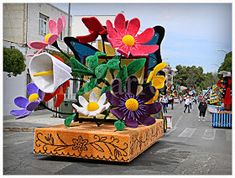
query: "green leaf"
101, 71
79, 68
119, 125
104, 89
69, 119
87, 87
99, 54
113, 64
92, 62
122, 74
135, 66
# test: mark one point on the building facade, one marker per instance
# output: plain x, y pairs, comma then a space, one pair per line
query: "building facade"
23, 23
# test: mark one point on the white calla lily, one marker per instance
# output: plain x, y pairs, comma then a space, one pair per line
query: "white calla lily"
93, 107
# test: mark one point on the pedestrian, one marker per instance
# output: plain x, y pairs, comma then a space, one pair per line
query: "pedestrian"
186, 104
171, 101
164, 103
181, 99
190, 102
202, 110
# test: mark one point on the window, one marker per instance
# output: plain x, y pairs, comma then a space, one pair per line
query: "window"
43, 30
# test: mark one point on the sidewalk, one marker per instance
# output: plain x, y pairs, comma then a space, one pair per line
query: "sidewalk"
41, 118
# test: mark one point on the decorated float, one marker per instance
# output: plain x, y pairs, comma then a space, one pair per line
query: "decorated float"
114, 117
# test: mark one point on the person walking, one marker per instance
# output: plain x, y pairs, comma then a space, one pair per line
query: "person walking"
171, 101
186, 104
164, 103
202, 110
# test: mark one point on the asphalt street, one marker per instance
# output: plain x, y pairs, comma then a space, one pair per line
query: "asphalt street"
191, 147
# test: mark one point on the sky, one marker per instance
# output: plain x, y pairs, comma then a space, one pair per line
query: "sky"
195, 34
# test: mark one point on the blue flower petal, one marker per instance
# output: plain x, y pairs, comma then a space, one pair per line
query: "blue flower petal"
33, 105
32, 88
21, 102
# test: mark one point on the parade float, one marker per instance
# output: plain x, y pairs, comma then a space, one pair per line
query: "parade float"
220, 101
114, 116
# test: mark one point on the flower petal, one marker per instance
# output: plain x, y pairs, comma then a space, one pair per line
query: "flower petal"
93, 24
20, 113
52, 39
153, 108
82, 101
88, 38
147, 121
117, 87
32, 88
120, 23
159, 67
64, 21
37, 44
80, 110
41, 94
133, 27
130, 122
93, 97
143, 50
147, 93
158, 81
59, 96
113, 100
32, 105
60, 26
52, 26
102, 99
115, 42
118, 113
21, 102
106, 106
132, 85
145, 36
125, 50
111, 31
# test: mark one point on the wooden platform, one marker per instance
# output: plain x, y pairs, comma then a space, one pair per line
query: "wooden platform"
87, 141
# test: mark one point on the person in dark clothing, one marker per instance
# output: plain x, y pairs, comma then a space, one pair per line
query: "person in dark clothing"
202, 109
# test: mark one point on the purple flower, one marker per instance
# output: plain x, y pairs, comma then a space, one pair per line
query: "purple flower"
27, 105
129, 106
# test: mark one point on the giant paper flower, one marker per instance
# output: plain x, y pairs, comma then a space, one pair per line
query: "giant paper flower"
95, 28
93, 107
129, 106
27, 105
55, 29
158, 81
124, 37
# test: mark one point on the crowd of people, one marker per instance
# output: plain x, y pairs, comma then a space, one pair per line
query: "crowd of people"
168, 101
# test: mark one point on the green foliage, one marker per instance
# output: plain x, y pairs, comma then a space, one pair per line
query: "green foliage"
13, 62
78, 68
113, 64
119, 125
101, 71
192, 76
87, 87
104, 89
122, 74
227, 64
135, 66
68, 120
66, 60
92, 62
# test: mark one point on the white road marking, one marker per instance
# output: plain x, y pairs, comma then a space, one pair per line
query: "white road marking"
209, 134
17, 143
188, 132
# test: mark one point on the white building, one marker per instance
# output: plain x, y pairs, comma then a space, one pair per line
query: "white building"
23, 23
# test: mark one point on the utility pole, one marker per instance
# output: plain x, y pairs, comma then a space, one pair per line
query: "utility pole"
69, 8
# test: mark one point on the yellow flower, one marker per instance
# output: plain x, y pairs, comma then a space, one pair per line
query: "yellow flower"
157, 80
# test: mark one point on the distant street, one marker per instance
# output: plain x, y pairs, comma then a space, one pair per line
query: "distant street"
191, 147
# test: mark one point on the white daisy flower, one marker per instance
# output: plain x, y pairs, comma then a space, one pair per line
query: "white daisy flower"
93, 107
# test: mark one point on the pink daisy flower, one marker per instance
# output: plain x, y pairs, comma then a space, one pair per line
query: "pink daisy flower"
124, 37
55, 29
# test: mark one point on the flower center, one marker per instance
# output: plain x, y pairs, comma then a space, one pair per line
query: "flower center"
92, 106
128, 40
47, 36
132, 104
33, 97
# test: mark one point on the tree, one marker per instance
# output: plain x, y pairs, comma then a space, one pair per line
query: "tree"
227, 64
13, 62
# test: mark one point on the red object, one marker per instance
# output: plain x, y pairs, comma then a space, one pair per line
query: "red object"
228, 97
60, 91
95, 28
